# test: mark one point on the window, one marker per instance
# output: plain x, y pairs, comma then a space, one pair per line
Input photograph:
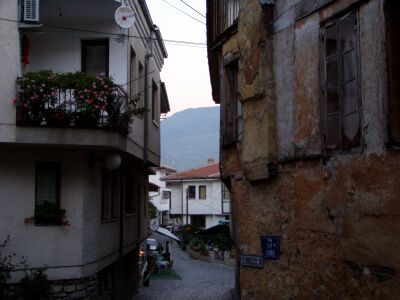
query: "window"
133, 70
341, 119
191, 191
154, 103
47, 193
232, 119
166, 195
226, 194
95, 56
198, 221
392, 8
202, 192
130, 193
110, 195
141, 82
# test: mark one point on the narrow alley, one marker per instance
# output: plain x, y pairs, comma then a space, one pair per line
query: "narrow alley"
199, 280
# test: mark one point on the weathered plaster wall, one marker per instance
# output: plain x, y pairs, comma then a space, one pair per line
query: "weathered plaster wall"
338, 217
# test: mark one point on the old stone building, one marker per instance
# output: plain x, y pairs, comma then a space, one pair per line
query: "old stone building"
310, 136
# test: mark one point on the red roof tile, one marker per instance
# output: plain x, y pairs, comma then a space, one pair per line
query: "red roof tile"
210, 171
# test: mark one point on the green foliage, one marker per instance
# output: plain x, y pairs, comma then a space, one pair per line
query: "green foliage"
49, 213
34, 286
6, 267
152, 210
93, 96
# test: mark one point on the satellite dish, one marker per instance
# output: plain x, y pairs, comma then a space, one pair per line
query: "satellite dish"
125, 17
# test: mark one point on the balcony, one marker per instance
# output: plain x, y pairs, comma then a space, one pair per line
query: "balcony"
73, 100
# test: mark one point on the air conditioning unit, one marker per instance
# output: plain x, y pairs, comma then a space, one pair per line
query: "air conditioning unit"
31, 11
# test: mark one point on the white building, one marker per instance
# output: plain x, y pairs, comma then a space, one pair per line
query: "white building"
198, 196
65, 166
161, 197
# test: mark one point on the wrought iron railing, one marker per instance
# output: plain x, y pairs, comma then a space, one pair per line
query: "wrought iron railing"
65, 107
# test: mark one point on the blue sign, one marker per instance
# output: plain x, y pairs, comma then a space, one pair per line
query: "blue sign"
254, 261
271, 248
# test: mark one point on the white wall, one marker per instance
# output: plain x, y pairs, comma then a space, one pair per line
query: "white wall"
9, 62
211, 207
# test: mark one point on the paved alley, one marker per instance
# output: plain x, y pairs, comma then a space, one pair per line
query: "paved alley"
200, 280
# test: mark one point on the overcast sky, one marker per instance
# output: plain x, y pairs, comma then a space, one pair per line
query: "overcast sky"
185, 71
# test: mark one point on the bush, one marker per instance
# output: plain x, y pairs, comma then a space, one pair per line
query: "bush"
34, 286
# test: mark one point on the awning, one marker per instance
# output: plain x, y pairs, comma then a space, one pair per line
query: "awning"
167, 233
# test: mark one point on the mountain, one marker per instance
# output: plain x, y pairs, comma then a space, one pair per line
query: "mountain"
190, 137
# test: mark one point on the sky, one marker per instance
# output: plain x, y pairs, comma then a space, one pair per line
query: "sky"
185, 71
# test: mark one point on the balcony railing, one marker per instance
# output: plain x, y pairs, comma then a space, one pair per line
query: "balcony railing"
222, 14
46, 99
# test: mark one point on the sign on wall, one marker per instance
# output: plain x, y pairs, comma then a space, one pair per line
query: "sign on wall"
254, 261
270, 245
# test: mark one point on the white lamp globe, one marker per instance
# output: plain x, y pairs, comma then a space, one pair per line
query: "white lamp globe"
112, 161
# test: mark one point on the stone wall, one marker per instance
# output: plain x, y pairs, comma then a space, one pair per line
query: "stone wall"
337, 214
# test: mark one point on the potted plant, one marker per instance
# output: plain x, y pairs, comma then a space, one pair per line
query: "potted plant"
49, 213
58, 117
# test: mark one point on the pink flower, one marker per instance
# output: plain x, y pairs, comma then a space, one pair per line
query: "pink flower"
81, 96
43, 85
41, 90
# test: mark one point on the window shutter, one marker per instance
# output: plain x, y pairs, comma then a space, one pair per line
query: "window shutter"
350, 109
31, 10
331, 88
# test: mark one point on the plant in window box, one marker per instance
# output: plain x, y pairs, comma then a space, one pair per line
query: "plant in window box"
48, 213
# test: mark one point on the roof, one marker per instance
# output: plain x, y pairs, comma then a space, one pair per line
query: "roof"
210, 171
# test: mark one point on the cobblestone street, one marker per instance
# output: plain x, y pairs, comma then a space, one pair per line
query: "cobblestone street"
200, 280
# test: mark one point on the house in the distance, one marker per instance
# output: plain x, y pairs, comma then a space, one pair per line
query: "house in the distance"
73, 168
198, 196
160, 195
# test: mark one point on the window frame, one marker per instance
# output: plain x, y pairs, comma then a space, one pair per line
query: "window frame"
111, 182
189, 192
96, 42
58, 168
231, 118
205, 192
336, 20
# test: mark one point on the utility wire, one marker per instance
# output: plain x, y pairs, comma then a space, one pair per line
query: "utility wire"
185, 43
190, 16
193, 9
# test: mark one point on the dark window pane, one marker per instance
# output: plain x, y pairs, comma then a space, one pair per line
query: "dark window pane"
331, 40
192, 192
350, 126
95, 57
332, 137
349, 66
347, 33
350, 97
332, 72
332, 100
46, 183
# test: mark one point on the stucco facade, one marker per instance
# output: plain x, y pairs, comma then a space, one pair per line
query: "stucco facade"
106, 217
197, 197
334, 209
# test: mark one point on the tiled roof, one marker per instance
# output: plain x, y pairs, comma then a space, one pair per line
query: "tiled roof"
210, 171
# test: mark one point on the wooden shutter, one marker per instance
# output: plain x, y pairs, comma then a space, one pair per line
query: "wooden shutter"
230, 103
